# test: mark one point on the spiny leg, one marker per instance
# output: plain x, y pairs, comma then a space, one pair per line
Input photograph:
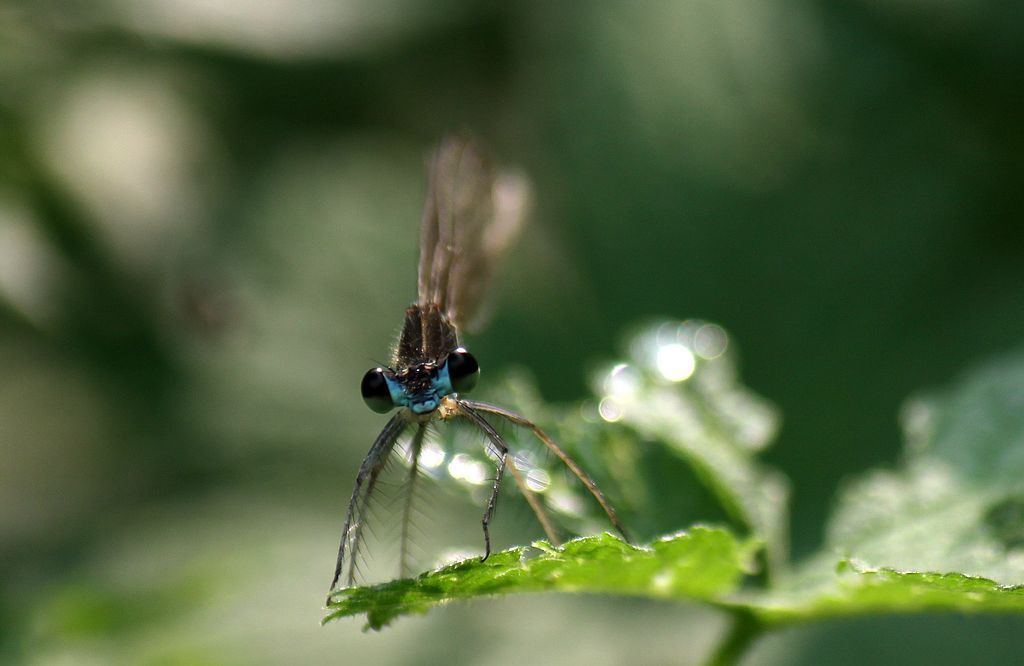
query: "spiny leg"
502, 450
415, 447
531, 497
355, 522
557, 450
369, 471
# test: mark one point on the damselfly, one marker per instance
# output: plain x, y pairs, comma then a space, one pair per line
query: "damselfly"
470, 216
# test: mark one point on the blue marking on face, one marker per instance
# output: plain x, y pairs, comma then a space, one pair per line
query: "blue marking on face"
443, 383
421, 402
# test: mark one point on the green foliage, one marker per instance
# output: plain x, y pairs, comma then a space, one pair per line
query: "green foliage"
944, 531
207, 235
708, 420
954, 503
941, 531
703, 563
856, 590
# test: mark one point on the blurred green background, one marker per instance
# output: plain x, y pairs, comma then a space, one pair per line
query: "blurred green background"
208, 221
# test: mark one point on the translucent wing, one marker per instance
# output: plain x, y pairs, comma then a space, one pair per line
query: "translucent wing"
470, 217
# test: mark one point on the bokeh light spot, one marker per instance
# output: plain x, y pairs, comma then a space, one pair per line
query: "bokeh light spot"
675, 362
610, 410
464, 468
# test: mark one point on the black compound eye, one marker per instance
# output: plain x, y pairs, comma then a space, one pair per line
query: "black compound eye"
463, 370
375, 391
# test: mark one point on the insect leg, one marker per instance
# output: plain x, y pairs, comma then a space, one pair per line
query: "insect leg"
502, 450
369, 471
557, 450
536, 505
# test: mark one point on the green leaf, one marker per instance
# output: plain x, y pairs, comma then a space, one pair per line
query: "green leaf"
672, 412
860, 590
955, 504
700, 564
945, 530
680, 387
